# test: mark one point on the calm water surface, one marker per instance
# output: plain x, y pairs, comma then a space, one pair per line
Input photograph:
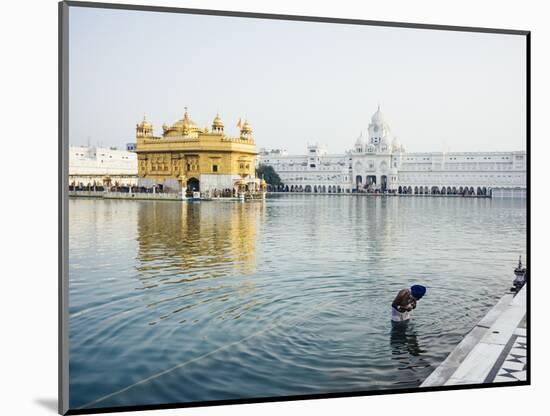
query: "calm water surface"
174, 302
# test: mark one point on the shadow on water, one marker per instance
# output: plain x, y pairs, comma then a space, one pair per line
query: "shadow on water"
410, 356
404, 340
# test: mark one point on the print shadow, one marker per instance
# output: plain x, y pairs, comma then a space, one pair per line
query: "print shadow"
48, 404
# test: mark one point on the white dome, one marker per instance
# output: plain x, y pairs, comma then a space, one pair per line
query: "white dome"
378, 118
360, 142
395, 144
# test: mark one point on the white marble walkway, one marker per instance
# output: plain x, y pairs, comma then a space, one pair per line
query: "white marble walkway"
494, 351
514, 366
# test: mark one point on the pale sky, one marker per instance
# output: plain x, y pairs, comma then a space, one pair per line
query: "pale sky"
295, 82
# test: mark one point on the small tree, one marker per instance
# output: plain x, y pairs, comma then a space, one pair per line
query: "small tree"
268, 173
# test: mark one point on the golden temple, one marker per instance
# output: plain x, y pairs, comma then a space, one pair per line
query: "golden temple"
188, 157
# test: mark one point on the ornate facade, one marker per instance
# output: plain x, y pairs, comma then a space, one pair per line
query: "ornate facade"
101, 166
379, 163
316, 171
187, 156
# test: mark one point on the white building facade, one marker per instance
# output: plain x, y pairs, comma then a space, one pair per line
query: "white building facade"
100, 166
316, 171
379, 163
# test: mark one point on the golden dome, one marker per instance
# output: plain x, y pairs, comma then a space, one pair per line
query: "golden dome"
263, 182
246, 128
145, 124
185, 122
217, 123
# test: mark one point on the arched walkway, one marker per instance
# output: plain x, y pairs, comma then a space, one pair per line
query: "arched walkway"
193, 185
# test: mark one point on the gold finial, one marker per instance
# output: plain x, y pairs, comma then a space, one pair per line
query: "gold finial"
144, 123
217, 123
246, 128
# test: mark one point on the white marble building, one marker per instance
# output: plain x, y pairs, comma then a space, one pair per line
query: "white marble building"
92, 165
316, 171
379, 163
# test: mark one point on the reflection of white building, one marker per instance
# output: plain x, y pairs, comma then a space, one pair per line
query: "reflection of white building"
379, 162
91, 165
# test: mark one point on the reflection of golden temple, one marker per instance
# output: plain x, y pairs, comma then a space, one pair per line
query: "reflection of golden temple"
196, 159
198, 257
198, 239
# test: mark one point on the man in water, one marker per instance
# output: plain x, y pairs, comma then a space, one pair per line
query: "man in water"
405, 302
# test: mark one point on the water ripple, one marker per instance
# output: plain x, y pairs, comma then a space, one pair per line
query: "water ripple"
286, 297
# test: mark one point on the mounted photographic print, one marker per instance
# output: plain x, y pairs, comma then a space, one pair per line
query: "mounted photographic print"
264, 208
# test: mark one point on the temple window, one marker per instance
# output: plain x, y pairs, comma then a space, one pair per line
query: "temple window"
214, 168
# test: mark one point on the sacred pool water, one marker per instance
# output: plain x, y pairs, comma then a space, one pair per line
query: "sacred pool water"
176, 302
